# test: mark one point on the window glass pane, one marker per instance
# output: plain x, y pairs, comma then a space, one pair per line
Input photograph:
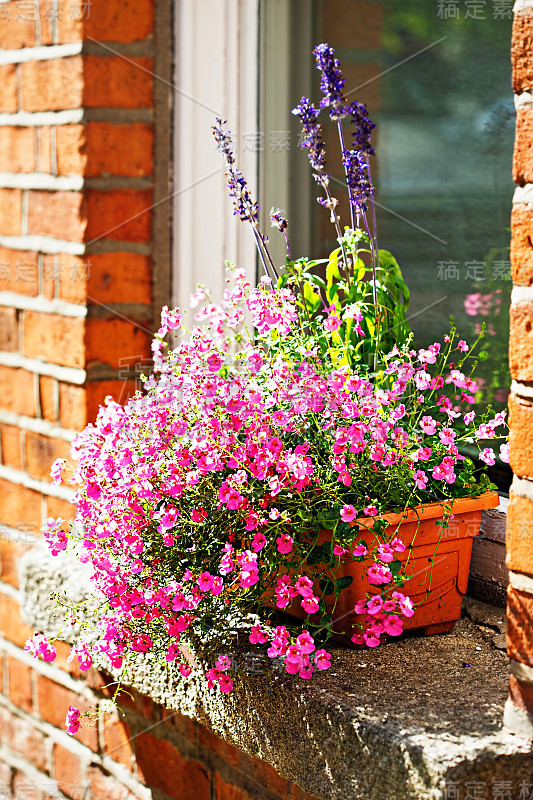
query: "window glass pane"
436, 78
445, 139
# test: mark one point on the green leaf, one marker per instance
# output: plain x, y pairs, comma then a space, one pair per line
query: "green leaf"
342, 583
318, 555
326, 586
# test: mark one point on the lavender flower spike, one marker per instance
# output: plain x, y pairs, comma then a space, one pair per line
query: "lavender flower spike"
359, 186
312, 140
332, 81
238, 188
362, 127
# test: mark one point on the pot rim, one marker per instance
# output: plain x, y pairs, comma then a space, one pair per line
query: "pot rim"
460, 505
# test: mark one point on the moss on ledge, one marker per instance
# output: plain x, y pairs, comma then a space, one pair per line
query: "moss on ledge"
412, 719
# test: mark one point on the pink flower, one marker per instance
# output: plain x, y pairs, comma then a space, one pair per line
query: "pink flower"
360, 550
258, 635
504, 452
332, 323
305, 642
225, 683
72, 722
375, 604
205, 581
56, 471
322, 659
223, 663
487, 455
370, 511
378, 574
420, 479
428, 425
39, 646
393, 625
310, 605
348, 513
284, 543
258, 542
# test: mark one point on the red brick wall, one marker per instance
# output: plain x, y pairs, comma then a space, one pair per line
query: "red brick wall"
83, 129
519, 709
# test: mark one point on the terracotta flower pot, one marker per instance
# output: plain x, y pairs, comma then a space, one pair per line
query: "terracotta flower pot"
437, 570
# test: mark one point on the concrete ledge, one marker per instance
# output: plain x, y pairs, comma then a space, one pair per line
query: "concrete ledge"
412, 719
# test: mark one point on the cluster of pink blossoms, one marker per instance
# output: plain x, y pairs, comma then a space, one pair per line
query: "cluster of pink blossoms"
207, 492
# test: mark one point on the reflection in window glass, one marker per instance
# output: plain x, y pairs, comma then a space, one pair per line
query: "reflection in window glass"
446, 122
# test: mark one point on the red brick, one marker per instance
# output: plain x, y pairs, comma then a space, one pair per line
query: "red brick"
60, 508
17, 27
101, 148
521, 694
45, 148
41, 452
11, 452
118, 83
71, 145
70, 21
72, 273
227, 791
129, 340
523, 147
8, 329
97, 391
11, 551
522, 245
23, 738
521, 436
56, 339
521, 48
119, 149
117, 739
19, 677
67, 768
11, 625
47, 388
125, 215
120, 278
160, 766
59, 214
105, 787
520, 626
20, 507
72, 406
53, 703
17, 391
18, 272
256, 768
121, 21
52, 85
224, 749
521, 341
299, 794
138, 702
8, 88
180, 723
17, 148
10, 212
346, 23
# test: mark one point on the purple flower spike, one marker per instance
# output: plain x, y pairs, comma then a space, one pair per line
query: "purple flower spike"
363, 127
312, 140
332, 81
359, 185
238, 188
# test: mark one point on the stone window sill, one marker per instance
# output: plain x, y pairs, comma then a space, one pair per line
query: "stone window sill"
416, 718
